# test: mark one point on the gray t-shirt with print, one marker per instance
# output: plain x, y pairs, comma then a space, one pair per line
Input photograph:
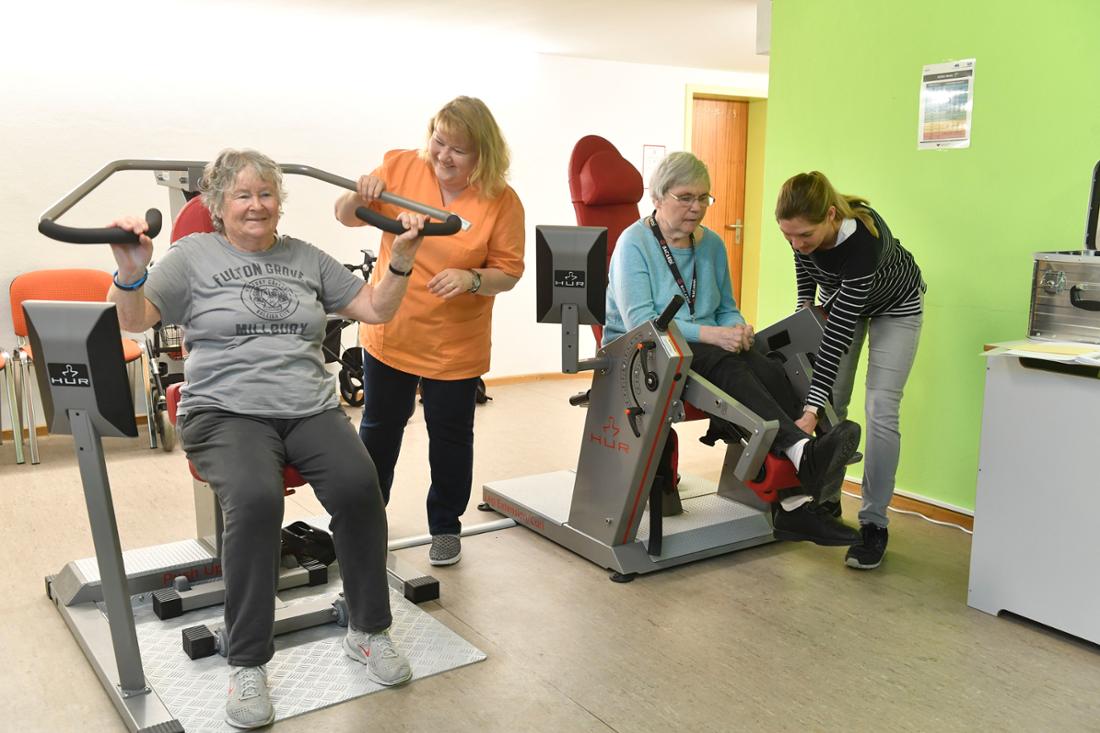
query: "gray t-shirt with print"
253, 323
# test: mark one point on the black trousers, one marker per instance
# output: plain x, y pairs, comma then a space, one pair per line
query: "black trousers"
757, 382
242, 458
390, 398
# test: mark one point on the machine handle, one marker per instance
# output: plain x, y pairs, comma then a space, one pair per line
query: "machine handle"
581, 398
632, 414
386, 196
104, 235
1077, 302
450, 225
666, 316
111, 235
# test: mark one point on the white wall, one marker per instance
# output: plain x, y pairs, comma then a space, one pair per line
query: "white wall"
90, 83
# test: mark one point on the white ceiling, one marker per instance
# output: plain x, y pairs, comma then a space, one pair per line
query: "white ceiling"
709, 34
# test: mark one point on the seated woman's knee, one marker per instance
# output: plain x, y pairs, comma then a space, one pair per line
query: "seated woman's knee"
349, 483
252, 502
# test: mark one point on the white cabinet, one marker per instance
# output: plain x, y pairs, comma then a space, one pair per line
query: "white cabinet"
1036, 547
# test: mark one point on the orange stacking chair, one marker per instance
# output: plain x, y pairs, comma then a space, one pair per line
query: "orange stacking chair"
71, 285
7, 392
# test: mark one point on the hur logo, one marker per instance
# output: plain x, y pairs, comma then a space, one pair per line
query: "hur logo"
69, 375
608, 437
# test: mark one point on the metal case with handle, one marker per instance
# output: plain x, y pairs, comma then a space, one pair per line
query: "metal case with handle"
1065, 286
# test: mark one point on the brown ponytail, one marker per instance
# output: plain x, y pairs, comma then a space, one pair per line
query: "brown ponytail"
809, 195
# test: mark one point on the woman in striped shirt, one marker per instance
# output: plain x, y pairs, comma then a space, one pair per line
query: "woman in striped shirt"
872, 289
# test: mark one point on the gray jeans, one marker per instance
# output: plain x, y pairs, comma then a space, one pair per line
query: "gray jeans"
891, 349
242, 458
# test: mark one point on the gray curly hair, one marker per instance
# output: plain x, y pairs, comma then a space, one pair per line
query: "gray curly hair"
677, 169
220, 174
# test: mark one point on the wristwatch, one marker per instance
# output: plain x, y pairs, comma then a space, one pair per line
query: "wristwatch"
477, 281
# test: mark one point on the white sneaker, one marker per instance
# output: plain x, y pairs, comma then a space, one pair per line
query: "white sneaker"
385, 664
249, 704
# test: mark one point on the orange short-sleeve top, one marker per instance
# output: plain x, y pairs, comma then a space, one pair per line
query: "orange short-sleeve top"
429, 336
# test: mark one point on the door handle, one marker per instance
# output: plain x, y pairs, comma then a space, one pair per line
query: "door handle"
736, 227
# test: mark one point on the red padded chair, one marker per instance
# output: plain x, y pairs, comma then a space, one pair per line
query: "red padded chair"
606, 188
193, 218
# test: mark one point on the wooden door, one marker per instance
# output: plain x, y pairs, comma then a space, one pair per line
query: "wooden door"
719, 137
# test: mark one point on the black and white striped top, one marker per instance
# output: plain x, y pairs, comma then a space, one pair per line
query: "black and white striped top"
865, 276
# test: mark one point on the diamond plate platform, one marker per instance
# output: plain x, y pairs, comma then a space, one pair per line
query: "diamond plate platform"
309, 670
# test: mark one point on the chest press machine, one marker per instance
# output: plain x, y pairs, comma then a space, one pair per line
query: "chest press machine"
642, 383
85, 393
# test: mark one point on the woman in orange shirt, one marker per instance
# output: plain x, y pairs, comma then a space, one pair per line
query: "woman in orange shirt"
440, 338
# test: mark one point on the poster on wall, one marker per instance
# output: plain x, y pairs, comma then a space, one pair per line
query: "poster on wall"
946, 105
652, 155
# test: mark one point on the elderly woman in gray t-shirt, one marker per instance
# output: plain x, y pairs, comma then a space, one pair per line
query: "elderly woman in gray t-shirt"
253, 306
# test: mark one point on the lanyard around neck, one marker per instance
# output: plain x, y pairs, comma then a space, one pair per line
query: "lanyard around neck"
689, 294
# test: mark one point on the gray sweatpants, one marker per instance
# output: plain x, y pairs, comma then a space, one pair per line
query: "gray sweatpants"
890, 352
242, 458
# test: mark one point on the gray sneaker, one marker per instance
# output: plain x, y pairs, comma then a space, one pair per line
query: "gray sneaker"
249, 703
385, 664
446, 549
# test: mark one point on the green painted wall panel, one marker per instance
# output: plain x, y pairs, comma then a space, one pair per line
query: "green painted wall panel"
844, 99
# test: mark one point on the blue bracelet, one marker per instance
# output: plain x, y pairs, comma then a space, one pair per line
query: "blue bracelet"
132, 286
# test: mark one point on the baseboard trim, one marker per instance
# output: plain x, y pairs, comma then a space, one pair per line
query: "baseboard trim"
927, 507
41, 431
542, 377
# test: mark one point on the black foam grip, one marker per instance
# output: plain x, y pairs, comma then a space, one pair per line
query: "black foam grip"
451, 226
104, 235
670, 311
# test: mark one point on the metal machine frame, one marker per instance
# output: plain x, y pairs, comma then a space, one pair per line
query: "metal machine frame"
74, 333
86, 394
640, 385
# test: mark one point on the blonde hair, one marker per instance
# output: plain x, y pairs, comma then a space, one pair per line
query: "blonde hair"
809, 195
220, 174
469, 118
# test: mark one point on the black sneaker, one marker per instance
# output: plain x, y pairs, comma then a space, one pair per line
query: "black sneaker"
813, 522
822, 456
867, 555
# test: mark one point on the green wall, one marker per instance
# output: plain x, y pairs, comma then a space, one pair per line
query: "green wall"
843, 99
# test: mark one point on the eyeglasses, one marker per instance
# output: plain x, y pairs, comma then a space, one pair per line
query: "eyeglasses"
687, 199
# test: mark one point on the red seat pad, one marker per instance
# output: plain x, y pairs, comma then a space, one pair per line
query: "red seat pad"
291, 477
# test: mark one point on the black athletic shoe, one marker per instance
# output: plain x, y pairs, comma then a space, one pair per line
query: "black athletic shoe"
832, 508
867, 555
813, 522
822, 456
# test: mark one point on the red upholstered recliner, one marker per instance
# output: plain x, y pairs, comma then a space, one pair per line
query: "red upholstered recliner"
605, 189
194, 218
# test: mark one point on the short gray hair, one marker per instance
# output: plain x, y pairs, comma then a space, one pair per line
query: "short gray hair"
677, 169
220, 174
